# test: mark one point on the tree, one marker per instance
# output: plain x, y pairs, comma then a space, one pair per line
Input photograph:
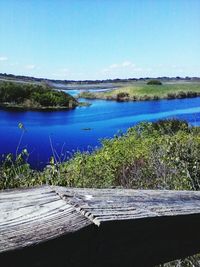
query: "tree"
154, 82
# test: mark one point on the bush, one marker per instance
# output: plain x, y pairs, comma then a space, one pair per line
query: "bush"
192, 94
170, 126
122, 96
181, 94
171, 96
154, 82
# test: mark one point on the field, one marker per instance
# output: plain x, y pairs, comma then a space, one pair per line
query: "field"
142, 91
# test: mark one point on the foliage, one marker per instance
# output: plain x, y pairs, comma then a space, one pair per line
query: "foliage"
33, 96
15, 171
165, 154
122, 96
170, 126
154, 82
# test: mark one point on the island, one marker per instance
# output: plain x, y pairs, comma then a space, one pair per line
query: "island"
34, 97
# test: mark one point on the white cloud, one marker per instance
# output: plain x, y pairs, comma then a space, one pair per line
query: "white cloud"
125, 69
128, 64
113, 66
30, 67
3, 58
119, 66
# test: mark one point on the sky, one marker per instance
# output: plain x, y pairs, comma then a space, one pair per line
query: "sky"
100, 39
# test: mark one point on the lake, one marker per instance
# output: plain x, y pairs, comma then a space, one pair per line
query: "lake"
65, 132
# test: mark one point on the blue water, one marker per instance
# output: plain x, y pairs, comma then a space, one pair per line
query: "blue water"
65, 129
76, 92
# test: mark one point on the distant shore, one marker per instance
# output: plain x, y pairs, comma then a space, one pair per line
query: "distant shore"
143, 92
29, 79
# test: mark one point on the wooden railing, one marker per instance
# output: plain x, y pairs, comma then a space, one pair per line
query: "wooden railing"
55, 226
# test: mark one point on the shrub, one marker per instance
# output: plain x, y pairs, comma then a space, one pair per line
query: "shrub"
122, 96
181, 94
171, 96
154, 82
170, 126
145, 97
192, 94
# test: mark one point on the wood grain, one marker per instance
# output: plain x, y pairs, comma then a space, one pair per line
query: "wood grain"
102, 205
98, 222
31, 216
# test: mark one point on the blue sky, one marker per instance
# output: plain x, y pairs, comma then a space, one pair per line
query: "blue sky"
100, 39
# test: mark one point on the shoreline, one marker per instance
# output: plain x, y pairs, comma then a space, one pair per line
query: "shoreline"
134, 99
8, 106
21, 107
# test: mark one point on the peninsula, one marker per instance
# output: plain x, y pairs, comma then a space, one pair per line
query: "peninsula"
34, 97
147, 90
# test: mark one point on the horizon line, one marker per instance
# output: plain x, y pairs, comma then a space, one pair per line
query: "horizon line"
100, 80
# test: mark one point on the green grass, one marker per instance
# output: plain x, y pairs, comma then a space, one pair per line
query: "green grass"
148, 92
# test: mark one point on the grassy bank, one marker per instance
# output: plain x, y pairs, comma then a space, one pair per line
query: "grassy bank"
143, 91
29, 96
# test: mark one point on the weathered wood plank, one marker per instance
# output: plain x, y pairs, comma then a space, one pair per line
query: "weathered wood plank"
32, 216
54, 225
102, 205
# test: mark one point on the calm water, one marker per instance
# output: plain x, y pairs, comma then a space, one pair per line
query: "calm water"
66, 129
